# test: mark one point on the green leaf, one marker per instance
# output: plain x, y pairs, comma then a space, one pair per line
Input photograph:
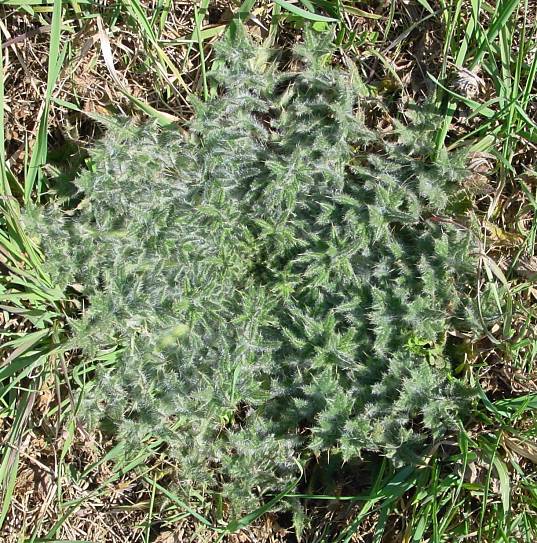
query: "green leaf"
304, 14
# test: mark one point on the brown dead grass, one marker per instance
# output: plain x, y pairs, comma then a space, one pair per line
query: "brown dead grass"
35, 507
86, 81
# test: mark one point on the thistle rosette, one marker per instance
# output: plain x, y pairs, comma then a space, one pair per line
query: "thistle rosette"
276, 282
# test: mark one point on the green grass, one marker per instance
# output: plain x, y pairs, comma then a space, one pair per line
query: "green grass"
481, 485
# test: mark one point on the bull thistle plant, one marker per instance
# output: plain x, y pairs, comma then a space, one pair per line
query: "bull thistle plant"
281, 280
